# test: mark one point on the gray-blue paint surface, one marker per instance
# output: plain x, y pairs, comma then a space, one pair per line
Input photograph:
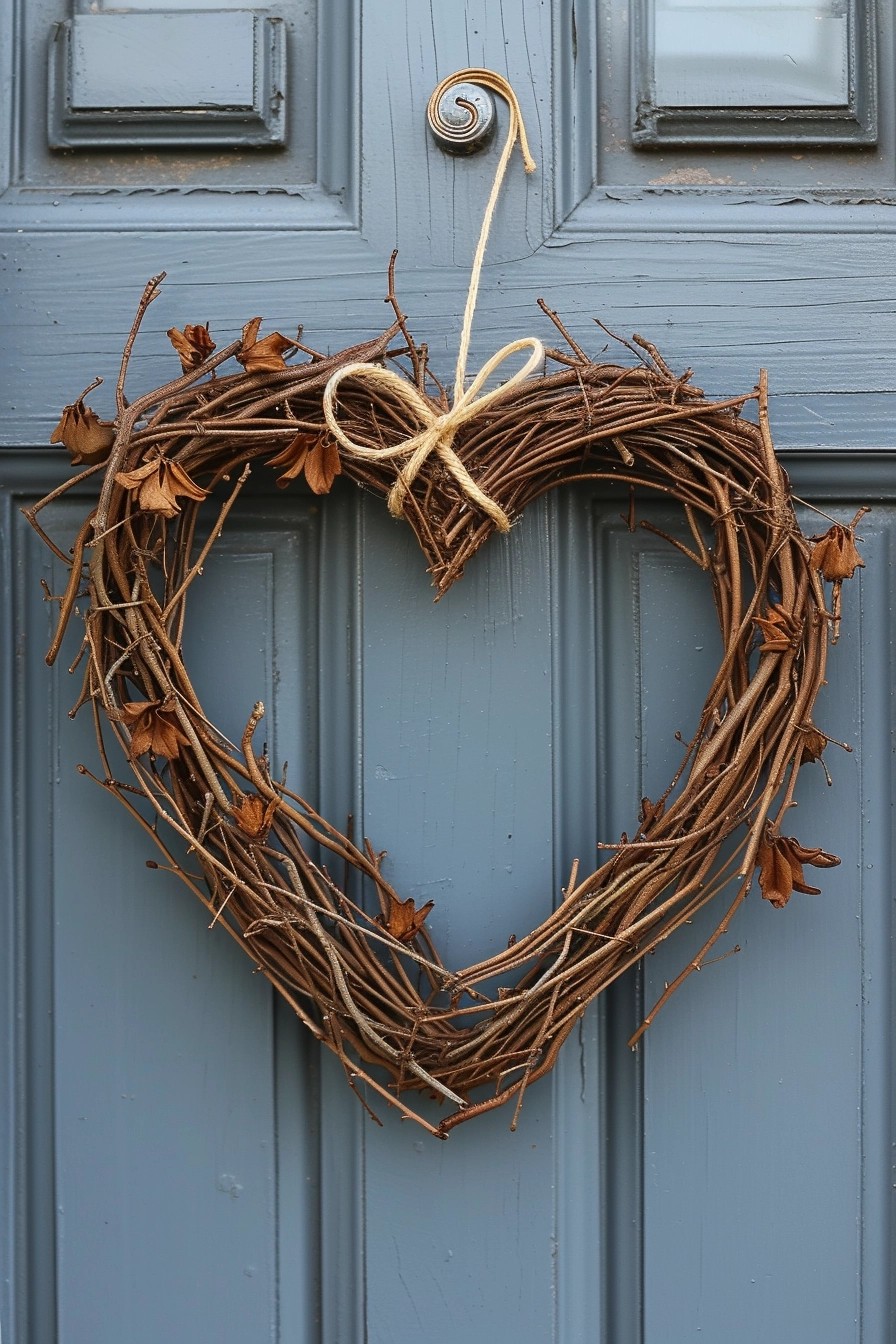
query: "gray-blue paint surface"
181, 80
179, 1162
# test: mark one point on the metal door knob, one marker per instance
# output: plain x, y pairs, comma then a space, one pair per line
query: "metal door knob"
462, 117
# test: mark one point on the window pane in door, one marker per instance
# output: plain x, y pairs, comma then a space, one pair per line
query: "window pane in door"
751, 53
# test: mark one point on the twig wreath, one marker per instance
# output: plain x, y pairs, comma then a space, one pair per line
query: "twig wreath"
372, 986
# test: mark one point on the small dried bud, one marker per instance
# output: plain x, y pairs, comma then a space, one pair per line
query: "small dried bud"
780, 862
317, 456
835, 554
779, 629
814, 742
650, 812
265, 356
154, 728
88, 438
157, 485
193, 345
253, 815
404, 921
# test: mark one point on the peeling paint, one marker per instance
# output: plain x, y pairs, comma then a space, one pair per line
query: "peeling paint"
692, 177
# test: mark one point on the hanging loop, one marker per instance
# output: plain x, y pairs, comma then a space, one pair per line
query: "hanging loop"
438, 427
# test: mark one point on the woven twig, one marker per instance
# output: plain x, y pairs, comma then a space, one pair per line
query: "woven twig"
371, 986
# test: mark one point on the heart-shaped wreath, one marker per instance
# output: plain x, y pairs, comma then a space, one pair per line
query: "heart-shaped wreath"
370, 983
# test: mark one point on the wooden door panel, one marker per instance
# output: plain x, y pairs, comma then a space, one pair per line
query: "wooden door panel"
606, 638
815, 312
181, 1161
759, 1149
175, 1100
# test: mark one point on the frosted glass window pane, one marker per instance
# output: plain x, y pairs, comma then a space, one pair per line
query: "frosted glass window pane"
751, 53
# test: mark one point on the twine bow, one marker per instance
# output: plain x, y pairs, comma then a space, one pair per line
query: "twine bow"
438, 428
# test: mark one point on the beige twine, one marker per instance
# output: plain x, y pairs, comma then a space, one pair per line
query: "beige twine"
439, 428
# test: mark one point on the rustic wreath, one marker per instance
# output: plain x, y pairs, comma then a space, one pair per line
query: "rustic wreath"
368, 982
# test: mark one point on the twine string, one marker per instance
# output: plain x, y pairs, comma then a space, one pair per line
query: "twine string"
438, 428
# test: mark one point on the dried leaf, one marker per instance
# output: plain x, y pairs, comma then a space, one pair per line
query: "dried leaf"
779, 629
264, 356
816, 857
157, 485
650, 812
193, 345
404, 921
780, 861
293, 458
317, 455
323, 465
775, 874
153, 728
88, 438
253, 815
835, 554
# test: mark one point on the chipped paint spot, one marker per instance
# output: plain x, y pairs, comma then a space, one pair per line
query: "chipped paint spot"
691, 177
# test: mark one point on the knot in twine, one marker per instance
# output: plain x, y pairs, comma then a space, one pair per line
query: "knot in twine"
438, 427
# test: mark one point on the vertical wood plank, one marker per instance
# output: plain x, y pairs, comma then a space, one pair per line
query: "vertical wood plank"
458, 785
173, 1154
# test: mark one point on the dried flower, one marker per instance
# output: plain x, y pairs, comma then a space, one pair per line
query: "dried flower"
154, 727
88, 438
835, 554
780, 862
779, 629
814, 741
193, 345
253, 815
264, 356
157, 485
404, 921
314, 454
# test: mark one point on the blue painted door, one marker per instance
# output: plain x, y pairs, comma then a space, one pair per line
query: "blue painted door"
180, 1162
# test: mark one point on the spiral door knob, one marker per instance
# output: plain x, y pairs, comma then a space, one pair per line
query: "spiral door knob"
461, 116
